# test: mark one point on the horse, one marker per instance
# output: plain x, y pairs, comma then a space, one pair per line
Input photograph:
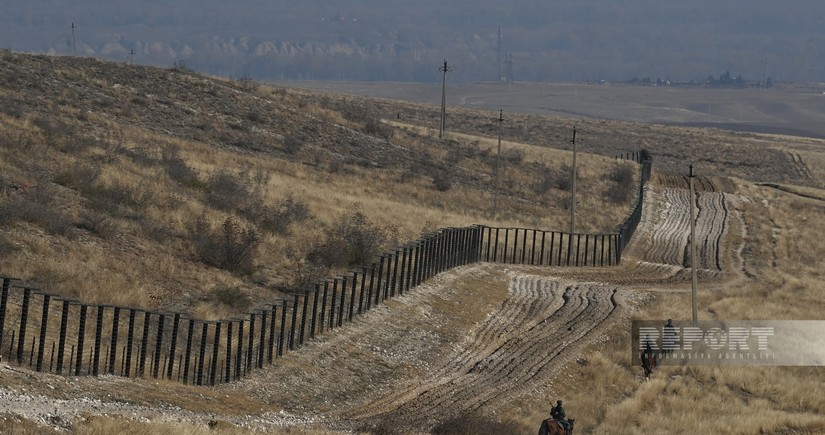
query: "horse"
552, 427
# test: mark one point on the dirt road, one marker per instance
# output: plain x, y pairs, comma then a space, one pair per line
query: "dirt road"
468, 341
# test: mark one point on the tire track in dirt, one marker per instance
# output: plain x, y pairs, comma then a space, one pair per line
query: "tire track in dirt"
535, 332
662, 243
799, 165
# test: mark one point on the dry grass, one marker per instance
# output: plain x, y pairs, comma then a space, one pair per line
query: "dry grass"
141, 255
114, 163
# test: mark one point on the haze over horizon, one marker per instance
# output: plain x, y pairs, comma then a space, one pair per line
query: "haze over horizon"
368, 40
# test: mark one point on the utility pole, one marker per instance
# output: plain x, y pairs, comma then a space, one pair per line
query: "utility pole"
444, 69
573, 188
694, 283
74, 44
498, 162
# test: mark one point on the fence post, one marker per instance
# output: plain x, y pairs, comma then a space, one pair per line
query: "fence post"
61, 350
24, 317
202, 352
173, 346
304, 311
416, 269
394, 282
81, 335
324, 307
44, 323
341, 306
315, 309
113, 342
158, 344
543, 247
188, 355
360, 294
239, 354
4, 299
351, 304
332, 304
262, 340
214, 368
372, 281
130, 335
228, 374
380, 275
294, 320
561, 244
524, 246
144, 343
272, 335
408, 269
281, 334
251, 341
98, 339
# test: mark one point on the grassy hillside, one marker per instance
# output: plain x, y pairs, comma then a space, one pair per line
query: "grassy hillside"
116, 181
165, 188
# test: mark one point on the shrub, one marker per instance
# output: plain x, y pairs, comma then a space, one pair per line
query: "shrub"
178, 169
625, 186
375, 127
231, 192
230, 247
513, 155
277, 219
292, 144
351, 241
442, 182
37, 212
232, 297
546, 180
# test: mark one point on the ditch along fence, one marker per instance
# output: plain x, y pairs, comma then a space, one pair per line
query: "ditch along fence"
51, 334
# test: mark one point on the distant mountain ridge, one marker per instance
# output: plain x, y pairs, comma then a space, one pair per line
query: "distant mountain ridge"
403, 41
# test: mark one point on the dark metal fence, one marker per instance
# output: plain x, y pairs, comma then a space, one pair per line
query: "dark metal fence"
52, 334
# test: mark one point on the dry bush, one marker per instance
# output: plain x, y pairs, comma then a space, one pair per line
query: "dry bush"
177, 168
625, 185
548, 178
279, 217
39, 209
231, 192
351, 241
231, 246
292, 144
442, 182
232, 297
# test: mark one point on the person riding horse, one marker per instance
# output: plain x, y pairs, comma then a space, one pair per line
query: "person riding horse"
557, 413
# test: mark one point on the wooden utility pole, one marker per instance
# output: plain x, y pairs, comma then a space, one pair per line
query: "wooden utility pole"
694, 283
444, 69
74, 44
573, 188
498, 162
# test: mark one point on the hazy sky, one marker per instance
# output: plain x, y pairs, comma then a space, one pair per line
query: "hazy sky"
553, 40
